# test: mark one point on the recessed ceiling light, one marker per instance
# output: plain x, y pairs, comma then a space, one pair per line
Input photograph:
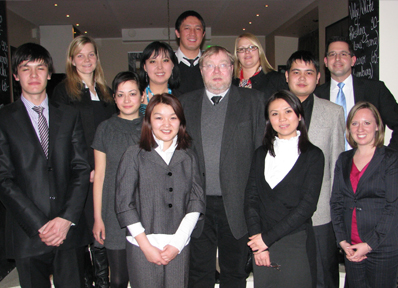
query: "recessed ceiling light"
55, 5
77, 24
85, 32
257, 15
244, 29
67, 16
266, 5
250, 23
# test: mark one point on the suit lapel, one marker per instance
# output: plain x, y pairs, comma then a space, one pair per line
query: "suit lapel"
347, 169
55, 115
193, 112
232, 119
317, 118
374, 164
359, 89
22, 118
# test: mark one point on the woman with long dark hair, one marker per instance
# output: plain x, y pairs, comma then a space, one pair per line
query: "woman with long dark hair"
281, 196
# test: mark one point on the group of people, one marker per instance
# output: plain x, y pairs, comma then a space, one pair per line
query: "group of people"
198, 155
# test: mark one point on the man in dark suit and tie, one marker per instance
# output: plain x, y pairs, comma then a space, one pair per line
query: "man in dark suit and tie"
339, 59
44, 177
226, 124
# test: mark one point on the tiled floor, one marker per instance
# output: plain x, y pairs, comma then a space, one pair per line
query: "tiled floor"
11, 281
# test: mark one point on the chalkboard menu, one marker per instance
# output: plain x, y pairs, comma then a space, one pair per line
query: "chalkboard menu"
364, 34
5, 94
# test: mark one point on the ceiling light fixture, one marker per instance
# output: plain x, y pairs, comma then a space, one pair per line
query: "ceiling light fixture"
67, 16
266, 5
257, 15
85, 32
250, 23
55, 5
244, 29
77, 24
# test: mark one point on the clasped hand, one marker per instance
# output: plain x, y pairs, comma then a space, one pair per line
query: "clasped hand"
54, 232
356, 252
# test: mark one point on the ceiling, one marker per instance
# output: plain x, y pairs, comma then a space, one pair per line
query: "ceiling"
106, 18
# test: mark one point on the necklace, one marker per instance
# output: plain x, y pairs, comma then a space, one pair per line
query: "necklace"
148, 90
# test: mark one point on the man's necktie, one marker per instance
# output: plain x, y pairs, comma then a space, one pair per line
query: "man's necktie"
191, 61
43, 129
340, 99
216, 99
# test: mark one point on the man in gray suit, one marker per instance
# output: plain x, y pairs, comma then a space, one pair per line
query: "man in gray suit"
226, 124
325, 124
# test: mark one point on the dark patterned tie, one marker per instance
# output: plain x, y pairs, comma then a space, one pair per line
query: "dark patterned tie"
43, 129
216, 99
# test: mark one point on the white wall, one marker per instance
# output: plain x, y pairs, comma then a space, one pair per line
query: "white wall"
56, 40
388, 47
284, 48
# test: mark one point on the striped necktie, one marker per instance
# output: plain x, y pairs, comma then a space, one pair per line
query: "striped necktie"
43, 129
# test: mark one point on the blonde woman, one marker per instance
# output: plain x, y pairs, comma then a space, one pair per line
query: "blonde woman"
85, 89
252, 69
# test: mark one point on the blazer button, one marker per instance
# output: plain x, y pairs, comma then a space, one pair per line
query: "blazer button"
52, 197
170, 205
171, 189
359, 209
50, 168
203, 174
169, 173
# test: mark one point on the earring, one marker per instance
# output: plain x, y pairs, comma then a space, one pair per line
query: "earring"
146, 75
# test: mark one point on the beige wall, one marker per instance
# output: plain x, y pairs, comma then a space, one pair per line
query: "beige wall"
284, 47
329, 12
19, 30
388, 42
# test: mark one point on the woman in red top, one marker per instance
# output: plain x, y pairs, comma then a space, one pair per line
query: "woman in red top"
364, 202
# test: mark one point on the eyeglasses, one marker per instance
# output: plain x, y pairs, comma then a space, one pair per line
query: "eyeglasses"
342, 54
211, 67
251, 48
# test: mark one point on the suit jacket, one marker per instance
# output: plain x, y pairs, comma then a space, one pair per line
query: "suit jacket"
375, 200
86, 110
288, 207
242, 134
376, 93
326, 131
156, 194
35, 189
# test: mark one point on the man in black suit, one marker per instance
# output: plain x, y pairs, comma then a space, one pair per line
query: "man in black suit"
226, 124
44, 177
190, 31
339, 59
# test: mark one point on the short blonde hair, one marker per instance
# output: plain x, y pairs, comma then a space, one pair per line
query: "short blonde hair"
216, 50
379, 135
263, 59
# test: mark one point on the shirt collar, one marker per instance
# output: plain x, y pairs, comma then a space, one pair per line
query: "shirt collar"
30, 105
347, 83
210, 95
160, 143
180, 57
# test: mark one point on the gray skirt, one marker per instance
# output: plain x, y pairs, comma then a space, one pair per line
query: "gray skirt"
291, 254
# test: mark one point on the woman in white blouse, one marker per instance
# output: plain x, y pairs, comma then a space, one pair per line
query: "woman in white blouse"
159, 197
281, 196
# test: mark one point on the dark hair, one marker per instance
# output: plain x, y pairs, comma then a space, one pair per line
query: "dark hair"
125, 76
379, 134
302, 55
157, 48
147, 141
270, 133
185, 15
31, 52
340, 39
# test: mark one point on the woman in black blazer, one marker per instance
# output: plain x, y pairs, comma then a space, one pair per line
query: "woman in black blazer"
364, 202
85, 89
252, 69
281, 196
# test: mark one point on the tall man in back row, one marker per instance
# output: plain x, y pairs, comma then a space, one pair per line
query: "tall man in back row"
226, 124
345, 89
190, 31
44, 178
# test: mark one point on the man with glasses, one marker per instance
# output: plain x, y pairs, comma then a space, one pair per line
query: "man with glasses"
345, 89
226, 124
